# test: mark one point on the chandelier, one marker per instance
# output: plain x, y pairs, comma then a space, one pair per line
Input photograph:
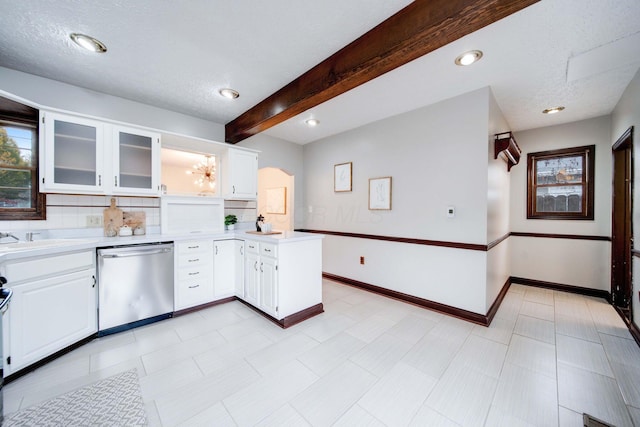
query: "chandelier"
205, 172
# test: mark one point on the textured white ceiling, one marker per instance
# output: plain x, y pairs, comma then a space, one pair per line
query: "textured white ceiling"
176, 55
525, 63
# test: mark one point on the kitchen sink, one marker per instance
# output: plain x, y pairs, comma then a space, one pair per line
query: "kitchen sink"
38, 244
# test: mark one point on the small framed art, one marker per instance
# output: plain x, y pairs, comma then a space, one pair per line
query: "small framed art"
342, 177
380, 193
277, 200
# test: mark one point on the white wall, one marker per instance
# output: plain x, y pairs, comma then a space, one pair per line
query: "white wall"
564, 261
454, 277
437, 157
498, 194
285, 155
55, 94
625, 115
269, 178
499, 179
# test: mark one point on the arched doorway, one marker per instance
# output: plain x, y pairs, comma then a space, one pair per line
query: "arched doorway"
276, 186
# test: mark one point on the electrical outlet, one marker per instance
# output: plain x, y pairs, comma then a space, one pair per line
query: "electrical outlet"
94, 221
362, 260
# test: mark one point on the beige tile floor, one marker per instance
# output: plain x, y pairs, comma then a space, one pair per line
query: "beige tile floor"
369, 361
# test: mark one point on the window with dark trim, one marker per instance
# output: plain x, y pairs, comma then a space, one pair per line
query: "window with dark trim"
20, 198
560, 183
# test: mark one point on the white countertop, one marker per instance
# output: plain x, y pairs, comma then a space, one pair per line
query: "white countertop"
73, 242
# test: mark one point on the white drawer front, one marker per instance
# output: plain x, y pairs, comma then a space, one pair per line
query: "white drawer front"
195, 246
252, 247
193, 260
19, 271
268, 249
200, 272
193, 292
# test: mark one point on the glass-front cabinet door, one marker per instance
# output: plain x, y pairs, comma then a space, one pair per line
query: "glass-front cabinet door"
136, 161
73, 148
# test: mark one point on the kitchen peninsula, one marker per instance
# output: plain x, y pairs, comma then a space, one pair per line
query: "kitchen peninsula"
280, 276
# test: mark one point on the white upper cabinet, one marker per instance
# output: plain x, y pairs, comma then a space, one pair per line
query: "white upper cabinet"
136, 161
240, 174
73, 154
84, 156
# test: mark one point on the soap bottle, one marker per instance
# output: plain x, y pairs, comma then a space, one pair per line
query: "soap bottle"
259, 223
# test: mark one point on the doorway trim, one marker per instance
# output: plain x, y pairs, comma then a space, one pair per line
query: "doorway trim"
622, 250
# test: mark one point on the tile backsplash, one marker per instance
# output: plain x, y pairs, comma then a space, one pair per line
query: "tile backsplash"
72, 211
245, 210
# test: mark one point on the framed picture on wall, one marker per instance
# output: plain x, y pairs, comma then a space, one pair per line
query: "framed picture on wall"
380, 193
342, 177
277, 200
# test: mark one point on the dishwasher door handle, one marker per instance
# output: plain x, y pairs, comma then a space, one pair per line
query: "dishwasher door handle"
137, 253
5, 293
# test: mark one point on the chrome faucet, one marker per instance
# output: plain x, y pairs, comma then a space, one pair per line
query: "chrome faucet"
5, 234
29, 236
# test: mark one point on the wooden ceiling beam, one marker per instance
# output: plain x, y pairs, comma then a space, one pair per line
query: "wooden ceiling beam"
420, 28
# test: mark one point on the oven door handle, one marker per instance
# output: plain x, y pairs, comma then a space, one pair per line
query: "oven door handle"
136, 253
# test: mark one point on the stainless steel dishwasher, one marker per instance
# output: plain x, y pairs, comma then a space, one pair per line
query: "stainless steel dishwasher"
135, 286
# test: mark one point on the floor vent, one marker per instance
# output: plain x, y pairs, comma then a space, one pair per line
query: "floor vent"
590, 421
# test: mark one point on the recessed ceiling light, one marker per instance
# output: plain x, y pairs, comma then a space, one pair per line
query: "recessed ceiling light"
468, 58
88, 42
312, 122
552, 110
229, 93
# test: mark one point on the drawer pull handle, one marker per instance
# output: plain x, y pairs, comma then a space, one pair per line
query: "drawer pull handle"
194, 286
193, 247
194, 260
267, 250
193, 274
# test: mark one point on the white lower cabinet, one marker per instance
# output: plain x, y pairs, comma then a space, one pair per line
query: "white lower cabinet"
284, 278
193, 273
54, 305
224, 254
252, 273
269, 286
239, 268
261, 276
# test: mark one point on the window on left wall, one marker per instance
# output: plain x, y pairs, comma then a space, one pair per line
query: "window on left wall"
19, 195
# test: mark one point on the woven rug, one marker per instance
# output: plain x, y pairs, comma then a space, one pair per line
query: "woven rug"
115, 401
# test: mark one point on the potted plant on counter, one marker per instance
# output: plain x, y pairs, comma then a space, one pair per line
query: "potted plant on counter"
230, 221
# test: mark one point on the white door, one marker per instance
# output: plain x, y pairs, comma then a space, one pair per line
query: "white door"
239, 268
252, 279
269, 286
136, 162
73, 155
51, 314
243, 174
224, 268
